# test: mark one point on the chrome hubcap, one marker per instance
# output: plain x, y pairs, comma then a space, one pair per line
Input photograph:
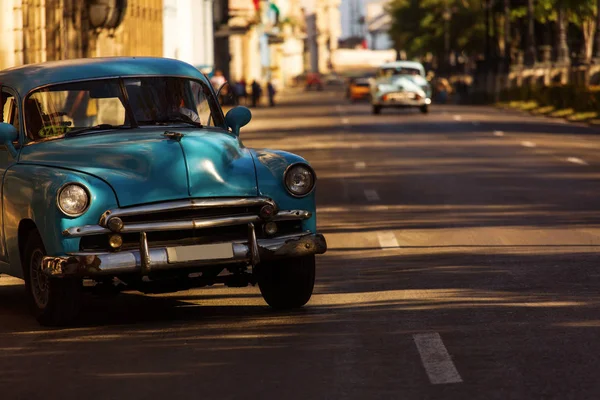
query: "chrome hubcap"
39, 281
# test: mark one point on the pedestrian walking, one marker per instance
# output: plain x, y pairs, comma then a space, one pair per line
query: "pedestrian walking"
256, 93
241, 92
218, 80
271, 92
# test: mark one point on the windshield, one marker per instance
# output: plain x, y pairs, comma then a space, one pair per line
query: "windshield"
101, 105
388, 72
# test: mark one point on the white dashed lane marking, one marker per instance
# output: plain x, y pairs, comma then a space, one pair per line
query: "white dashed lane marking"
528, 144
576, 160
457, 118
436, 360
498, 133
345, 121
387, 240
371, 195
360, 165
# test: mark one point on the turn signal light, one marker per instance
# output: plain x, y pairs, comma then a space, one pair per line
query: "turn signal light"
115, 241
267, 211
270, 228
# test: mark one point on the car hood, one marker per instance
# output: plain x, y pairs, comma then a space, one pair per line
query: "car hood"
143, 165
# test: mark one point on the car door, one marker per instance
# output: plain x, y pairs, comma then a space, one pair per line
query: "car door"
9, 113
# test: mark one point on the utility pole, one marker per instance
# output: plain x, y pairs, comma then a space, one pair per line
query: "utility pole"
530, 57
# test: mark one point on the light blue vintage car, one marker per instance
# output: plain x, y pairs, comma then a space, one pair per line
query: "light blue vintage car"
400, 84
124, 173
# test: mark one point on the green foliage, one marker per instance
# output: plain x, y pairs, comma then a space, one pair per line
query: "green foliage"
418, 26
558, 98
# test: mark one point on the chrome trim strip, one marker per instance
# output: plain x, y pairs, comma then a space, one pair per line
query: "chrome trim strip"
252, 245
287, 215
98, 264
194, 204
144, 253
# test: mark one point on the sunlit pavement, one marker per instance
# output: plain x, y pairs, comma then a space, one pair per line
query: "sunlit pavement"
463, 263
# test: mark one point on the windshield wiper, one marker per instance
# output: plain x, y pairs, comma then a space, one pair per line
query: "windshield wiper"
101, 127
170, 120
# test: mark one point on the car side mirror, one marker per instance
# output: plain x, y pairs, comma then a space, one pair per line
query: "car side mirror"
8, 135
238, 117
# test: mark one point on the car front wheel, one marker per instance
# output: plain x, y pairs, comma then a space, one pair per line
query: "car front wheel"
376, 110
288, 283
54, 301
424, 109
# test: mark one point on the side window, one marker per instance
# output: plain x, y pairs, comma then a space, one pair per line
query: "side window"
8, 109
205, 104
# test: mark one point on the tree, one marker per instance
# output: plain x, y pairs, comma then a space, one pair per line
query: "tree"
416, 26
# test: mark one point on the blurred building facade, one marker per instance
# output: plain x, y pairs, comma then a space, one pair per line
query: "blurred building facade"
44, 30
188, 32
329, 31
265, 40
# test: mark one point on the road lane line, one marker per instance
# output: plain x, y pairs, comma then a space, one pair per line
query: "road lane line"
360, 165
371, 195
457, 118
498, 133
345, 121
576, 160
435, 358
387, 240
528, 144
355, 146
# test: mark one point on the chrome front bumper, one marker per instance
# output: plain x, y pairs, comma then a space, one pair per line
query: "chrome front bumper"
402, 102
146, 260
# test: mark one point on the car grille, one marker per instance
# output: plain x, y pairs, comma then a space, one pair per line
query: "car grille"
99, 242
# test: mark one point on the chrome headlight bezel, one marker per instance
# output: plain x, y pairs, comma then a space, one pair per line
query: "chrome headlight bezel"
290, 168
60, 192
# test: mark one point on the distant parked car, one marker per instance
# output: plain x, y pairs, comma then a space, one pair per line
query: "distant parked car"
401, 84
127, 168
359, 89
315, 80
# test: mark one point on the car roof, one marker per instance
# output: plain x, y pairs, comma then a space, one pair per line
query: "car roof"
406, 64
27, 77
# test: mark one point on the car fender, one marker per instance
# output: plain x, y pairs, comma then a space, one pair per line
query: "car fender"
30, 193
270, 169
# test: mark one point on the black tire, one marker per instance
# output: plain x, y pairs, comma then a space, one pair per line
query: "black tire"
424, 109
63, 294
376, 110
288, 283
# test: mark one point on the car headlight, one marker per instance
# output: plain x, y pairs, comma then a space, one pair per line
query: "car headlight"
299, 179
73, 199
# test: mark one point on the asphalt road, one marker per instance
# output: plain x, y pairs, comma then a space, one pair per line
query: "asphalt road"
463, 264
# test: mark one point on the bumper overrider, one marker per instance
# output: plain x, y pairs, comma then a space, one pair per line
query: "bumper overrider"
146, 259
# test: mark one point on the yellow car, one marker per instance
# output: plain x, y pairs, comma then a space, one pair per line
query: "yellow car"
359, 89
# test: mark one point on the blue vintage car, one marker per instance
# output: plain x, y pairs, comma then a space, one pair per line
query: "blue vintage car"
124, 173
